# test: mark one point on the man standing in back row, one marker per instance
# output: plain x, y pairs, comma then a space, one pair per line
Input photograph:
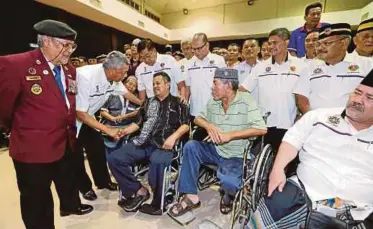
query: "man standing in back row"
37, 104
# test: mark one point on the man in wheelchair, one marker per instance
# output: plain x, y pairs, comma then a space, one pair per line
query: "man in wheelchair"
162, 120
231, 118
334, 183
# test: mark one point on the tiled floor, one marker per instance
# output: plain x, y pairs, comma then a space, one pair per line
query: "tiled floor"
106, 214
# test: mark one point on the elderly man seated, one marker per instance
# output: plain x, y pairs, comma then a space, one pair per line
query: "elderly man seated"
162, 120
335, 171
231, 118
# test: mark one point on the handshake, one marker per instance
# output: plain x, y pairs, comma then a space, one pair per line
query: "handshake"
115, 132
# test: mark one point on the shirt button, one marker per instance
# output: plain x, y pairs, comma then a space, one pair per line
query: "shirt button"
68, 127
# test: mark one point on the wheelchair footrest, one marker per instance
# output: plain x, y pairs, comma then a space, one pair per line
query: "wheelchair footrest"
183, 219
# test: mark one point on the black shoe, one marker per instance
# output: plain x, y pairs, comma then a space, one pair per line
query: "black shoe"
111, 186
82, 210
133, 204
90, 195
123, 201
151, 209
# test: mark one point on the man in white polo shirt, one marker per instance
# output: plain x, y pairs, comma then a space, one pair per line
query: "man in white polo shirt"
328, 83
250, 52
274, 80
335, 171
153, 62
95, 83
200, 73
186, 48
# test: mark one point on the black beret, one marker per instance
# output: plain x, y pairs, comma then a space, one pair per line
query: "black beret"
365, 25
335, 29
368, 80
55, 29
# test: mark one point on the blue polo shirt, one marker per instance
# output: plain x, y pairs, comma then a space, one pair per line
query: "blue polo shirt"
297, 39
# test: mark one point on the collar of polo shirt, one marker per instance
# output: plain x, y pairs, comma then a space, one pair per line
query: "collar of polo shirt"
286, 59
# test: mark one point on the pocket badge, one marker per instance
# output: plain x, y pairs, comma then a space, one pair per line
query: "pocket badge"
36, 89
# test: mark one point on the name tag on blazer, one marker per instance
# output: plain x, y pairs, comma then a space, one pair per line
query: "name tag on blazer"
33, 78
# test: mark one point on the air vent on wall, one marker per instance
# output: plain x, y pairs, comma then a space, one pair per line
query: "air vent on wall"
141, 24
96, 3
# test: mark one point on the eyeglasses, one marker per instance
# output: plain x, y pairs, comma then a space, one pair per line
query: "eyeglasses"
199, 48
67, 46
327, 43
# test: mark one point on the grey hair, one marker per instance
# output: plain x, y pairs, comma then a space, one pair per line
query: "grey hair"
347, 36
115, 59
40, 40
283, 33
234, 83
186, 41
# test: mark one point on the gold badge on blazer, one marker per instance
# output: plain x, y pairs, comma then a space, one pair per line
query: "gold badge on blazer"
32, 71
36, 89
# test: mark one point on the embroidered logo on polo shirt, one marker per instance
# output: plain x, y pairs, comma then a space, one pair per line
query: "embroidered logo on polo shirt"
97, 89
268, 69
317, 71
334, 120
242, 71
293, 68
212, 62
353, 68
182, 68
162, 65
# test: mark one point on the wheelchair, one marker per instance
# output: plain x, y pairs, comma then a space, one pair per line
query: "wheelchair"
171, 174
255, 186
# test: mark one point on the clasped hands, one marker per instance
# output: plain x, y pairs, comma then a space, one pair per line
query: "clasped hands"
216, 135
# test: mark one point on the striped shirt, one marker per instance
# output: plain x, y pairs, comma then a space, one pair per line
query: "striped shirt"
242, 114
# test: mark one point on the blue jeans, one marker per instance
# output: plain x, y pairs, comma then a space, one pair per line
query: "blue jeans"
196, 153
121, 160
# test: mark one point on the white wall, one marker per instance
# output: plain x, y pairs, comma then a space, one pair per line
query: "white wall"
367, 12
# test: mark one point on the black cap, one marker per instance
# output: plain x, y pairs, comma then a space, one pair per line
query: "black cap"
365, 25
168, 48
178, 53
55, 29
335, 29
368, 80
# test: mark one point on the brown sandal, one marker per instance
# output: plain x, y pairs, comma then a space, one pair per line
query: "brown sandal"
180, 210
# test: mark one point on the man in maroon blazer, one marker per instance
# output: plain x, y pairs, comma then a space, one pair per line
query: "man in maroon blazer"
37, 106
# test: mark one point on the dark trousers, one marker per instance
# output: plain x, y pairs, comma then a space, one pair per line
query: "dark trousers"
93, 143
34, 181
122, 160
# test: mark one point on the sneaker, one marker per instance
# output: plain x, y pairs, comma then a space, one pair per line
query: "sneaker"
133, 204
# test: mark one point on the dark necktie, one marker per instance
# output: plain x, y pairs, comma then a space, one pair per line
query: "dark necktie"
57, 76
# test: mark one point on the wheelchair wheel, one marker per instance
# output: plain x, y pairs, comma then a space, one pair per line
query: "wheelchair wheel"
262, 168
241, 208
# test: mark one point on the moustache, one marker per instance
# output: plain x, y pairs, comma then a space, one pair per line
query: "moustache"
357, 106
